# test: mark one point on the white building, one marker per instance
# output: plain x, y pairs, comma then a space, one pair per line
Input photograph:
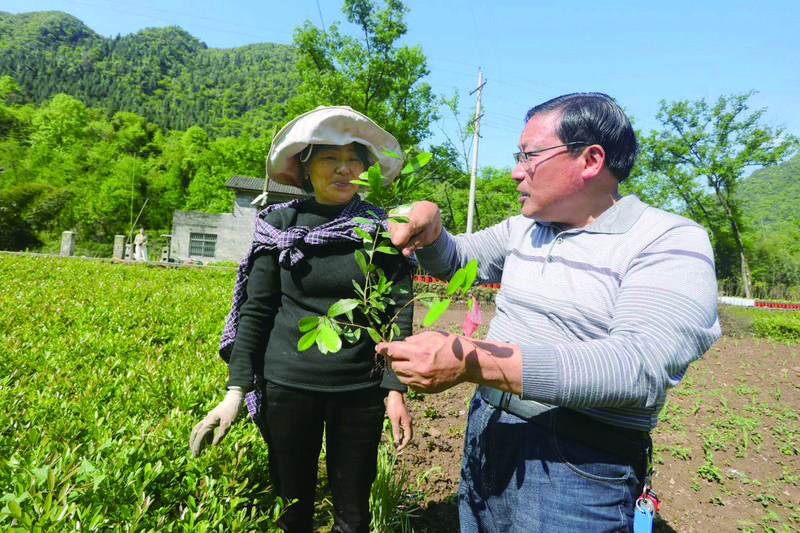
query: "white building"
198, 236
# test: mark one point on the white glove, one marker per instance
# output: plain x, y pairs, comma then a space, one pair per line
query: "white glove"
221, 417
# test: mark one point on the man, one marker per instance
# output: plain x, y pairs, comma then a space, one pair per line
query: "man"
140, 246
604, 303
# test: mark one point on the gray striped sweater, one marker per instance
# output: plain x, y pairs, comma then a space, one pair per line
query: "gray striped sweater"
608, 316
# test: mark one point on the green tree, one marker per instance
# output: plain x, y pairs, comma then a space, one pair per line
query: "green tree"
59, 123
9, 90
216, 163
704, 151
27, 209
373, 74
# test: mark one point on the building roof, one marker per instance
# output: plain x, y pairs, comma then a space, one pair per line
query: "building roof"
244, 183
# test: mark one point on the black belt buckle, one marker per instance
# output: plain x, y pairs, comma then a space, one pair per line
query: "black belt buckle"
505, 399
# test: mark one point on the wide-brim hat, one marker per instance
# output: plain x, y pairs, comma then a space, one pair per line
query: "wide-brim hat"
334, 125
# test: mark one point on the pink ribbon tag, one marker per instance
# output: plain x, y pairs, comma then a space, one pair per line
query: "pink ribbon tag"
473, 318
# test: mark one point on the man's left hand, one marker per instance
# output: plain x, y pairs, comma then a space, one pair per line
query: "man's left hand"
431, 361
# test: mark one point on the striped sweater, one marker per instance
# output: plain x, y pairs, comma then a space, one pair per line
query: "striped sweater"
608, 316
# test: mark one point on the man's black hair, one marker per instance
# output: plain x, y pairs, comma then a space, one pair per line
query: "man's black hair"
594, 118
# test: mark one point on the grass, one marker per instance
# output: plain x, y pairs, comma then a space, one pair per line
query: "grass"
391, 504
104, 369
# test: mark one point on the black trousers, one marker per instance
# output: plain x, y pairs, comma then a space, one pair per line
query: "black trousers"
352, 423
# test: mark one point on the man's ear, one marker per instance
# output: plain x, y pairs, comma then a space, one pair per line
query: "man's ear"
594, 160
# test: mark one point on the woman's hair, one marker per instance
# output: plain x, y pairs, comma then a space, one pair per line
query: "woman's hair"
308, 153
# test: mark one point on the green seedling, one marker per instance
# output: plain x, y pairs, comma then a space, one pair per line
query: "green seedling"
378, 294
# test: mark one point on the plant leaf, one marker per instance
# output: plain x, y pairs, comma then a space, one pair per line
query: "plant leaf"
457, 281
363, 234
328, 338
425, 296
391, 250
361, 260
390, 154
352, 335
376, 338
417, 162
471, 272
308, 323
435, 311
359, 289
15, 509
307, 340
375, 178
342, 306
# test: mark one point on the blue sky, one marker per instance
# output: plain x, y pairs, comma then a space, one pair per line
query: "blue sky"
638, 52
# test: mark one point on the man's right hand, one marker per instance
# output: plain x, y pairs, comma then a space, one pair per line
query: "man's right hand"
423, 227
220, 418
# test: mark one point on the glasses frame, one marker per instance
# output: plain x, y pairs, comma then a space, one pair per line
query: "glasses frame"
524, 157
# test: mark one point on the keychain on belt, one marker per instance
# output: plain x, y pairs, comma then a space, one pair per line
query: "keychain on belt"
646, 507
646, 503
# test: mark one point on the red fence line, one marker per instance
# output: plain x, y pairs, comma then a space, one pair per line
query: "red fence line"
778, 305
430, 279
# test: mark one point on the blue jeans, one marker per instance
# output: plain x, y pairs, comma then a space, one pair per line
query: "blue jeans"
518, 476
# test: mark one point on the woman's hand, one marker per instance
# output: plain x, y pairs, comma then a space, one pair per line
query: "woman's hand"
221, 418
402, 428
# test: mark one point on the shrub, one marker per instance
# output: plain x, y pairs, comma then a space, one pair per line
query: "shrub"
105, 368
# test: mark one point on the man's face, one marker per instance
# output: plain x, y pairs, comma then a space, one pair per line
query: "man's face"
549, 181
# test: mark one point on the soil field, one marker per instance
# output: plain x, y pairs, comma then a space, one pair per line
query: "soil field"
726, 447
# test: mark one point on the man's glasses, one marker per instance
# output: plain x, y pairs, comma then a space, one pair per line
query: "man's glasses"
524, 157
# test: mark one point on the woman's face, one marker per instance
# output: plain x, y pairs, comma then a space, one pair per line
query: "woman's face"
331, 168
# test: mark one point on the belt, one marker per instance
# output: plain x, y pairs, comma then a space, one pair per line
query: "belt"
623, 442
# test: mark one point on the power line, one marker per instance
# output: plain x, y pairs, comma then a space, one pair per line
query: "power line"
321, 19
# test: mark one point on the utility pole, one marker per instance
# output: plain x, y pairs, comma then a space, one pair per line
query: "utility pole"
477, 122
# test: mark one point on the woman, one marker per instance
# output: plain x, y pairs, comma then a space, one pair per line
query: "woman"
300, 263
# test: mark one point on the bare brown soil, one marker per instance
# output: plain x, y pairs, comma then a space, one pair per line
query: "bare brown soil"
726, 447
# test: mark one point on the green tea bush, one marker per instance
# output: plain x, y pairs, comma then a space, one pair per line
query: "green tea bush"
482, 294
780, 325
105, 367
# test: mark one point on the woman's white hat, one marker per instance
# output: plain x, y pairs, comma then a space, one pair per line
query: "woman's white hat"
336, 125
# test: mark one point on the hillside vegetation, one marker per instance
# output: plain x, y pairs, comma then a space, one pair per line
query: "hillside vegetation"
98, 134
163, 74
771, 203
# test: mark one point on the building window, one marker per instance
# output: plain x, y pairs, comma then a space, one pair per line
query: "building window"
202, 244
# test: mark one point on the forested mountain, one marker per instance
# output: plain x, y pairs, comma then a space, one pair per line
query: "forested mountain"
98, 134
771, 204
771, 196
163, 74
